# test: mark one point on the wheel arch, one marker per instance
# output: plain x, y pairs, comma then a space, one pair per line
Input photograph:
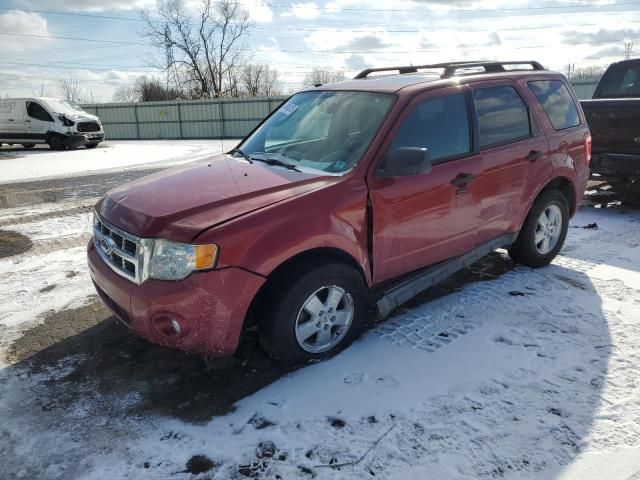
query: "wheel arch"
566, 187
309, 259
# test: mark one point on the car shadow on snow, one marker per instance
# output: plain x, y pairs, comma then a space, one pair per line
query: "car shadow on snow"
108, 360
532, 419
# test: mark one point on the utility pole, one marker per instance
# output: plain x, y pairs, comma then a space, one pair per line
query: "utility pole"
628, 50
169, 55
570, 70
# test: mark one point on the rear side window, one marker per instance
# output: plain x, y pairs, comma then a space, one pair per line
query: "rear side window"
35, 110
441, 125
503, 116
556, 102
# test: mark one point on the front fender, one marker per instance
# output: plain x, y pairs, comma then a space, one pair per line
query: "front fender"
332, 217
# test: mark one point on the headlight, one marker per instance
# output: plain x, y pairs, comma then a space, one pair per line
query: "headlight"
66, 121
175, 261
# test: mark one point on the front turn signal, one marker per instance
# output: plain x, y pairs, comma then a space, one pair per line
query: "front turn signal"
205, 256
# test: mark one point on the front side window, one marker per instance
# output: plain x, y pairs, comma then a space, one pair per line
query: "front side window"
324, 130
441, 125
503, 116
556, 102
35, 110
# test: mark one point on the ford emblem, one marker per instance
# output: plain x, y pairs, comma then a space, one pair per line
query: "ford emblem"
107, 245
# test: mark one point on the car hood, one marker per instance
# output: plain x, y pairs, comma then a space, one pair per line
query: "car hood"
180, 203
81, 117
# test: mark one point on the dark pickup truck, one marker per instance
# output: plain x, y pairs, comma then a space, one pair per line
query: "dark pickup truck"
614, 118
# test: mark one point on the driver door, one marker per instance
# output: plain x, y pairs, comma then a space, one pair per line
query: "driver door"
423, 219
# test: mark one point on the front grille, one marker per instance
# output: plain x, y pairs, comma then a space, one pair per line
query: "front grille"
123, 252
88, 127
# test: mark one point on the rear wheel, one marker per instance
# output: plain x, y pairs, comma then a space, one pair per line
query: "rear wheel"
28, 145
543, 232
313, 313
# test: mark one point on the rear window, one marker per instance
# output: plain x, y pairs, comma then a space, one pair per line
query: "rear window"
622, 80
503, 116
556, 102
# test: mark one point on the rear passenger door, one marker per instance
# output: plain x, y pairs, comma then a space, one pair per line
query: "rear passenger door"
423, 219
564, 127
510, 144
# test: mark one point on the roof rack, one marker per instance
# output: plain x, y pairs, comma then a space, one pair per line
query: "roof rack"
451, 67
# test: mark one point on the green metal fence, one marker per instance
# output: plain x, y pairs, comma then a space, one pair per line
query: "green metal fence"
188, 119
214, 118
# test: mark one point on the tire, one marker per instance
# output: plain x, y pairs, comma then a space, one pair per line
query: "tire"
28, 145
56, 142
287, 321
526, 250
91, 145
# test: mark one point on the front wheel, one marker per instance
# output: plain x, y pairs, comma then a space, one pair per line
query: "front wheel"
543, 232
56, 142
313, 313
91, 145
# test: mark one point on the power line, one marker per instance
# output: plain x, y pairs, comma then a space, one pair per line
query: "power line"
310, 52
75, 39
474, 10
354, 9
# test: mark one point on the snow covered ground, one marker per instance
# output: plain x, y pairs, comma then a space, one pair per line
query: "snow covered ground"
533, 375
18, 164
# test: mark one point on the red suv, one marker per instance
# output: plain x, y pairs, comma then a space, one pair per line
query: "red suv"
348, 196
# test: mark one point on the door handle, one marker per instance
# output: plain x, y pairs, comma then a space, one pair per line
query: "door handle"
10, 119
463, 180
534, 155
28, 121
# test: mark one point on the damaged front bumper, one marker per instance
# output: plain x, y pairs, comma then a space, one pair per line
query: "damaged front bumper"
75, 140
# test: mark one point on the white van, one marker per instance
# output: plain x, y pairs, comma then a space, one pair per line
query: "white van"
56, 122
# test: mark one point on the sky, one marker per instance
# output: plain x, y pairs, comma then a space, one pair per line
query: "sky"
45, 40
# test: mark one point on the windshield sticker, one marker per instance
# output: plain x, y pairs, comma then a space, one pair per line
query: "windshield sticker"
339, 165
288, 108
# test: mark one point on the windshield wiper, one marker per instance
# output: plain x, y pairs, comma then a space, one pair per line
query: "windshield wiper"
244, 155
275, 161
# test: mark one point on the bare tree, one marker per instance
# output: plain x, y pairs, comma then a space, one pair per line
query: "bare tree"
202, 55
259, 80
584, 73
146, 89
70, 89
126, 94
320, 76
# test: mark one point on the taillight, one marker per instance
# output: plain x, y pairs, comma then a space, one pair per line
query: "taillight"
587, 148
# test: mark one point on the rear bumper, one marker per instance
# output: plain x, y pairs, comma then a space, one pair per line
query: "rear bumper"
616, 164
210, 307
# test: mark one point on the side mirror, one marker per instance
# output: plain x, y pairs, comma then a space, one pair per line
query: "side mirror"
405, 161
